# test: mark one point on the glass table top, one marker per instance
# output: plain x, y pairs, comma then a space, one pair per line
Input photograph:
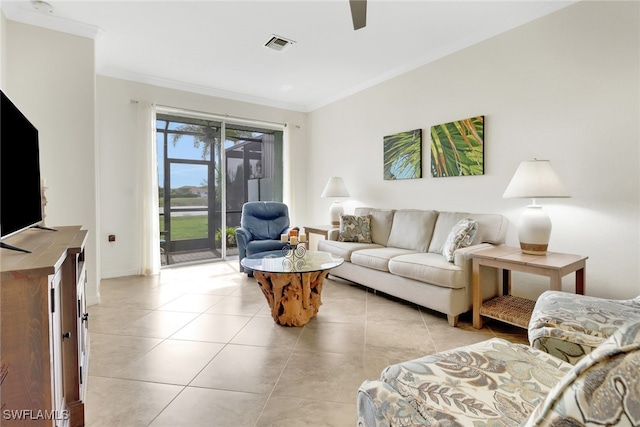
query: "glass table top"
296, 262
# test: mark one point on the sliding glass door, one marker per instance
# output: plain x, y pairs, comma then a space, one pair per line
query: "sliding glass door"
198, 174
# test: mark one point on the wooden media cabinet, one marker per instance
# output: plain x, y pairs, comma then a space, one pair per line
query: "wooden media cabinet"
44, 343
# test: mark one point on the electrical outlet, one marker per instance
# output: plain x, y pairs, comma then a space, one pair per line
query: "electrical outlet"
112, 238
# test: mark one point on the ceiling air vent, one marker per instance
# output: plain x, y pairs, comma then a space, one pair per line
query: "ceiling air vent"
278, 43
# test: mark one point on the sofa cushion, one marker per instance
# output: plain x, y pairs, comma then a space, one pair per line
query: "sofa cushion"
412, 229
460, 236
381, 220
429, 268
377, 258
492, 228
355, 228
344, 249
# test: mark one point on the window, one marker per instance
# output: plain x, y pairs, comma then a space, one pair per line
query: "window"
192, 191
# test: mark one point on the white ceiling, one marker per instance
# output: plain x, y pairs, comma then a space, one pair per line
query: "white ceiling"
217, 47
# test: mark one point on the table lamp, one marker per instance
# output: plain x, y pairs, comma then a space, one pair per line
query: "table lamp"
335, 188
535, 179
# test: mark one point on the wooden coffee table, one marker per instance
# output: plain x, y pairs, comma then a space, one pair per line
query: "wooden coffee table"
292, 284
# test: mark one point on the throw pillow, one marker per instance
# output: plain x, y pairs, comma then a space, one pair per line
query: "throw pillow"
355, 228
460, 236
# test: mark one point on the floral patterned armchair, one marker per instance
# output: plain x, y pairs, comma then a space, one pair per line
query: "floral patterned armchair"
571, 326
497, 383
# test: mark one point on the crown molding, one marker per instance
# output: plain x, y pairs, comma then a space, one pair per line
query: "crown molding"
22, 11
194, 88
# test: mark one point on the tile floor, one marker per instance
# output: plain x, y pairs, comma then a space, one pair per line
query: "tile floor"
196, 346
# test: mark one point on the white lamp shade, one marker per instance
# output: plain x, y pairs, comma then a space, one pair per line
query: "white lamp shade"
335, 188
535, 179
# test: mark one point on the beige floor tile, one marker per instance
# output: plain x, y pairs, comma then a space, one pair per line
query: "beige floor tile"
375, 363
263, 331
242, 305
244, 368
380, 307
223, 285
291, 412
192, 303
220, 328
156, 324
328, 377
216, 287
110, 320
247, 286
170, 362
398, 339
342, 309
126, 282
197, 346
124, 403
331, 337
445, 337
137, 298
339, 288
184, 274
110, 353
196, 407
265, 311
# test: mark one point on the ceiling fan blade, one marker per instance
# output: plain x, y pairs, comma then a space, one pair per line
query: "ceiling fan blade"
358, 13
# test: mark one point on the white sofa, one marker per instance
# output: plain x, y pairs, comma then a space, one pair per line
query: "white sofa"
404, 258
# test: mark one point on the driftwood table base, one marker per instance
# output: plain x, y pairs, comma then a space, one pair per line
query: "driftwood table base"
294, 298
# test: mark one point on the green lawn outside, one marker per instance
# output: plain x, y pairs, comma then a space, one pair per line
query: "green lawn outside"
186, 201
191, 226
188, 227
194, 227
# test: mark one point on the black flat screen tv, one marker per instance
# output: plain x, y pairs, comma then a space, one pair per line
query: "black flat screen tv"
20, 197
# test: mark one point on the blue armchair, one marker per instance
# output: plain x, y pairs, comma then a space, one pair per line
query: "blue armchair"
261, 225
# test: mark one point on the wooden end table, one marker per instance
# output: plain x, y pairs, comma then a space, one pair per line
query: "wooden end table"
292, 284
321, 230
511, 309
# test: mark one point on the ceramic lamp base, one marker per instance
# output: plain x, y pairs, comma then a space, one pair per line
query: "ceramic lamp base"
533, 249
534, 230
335, 210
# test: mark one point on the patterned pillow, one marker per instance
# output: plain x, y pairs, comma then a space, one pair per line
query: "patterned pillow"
355, 228
460, 236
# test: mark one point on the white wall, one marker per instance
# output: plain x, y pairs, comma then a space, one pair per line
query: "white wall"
116, 133
51, 77
3, 48
563, 88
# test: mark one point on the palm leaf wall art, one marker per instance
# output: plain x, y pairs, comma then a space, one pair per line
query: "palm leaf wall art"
457, 148
403, 155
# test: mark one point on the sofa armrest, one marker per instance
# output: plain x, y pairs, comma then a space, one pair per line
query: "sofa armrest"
462, 256
379, 405
333, 234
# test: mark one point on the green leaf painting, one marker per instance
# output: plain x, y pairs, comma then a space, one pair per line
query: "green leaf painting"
457, 148
403, 155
